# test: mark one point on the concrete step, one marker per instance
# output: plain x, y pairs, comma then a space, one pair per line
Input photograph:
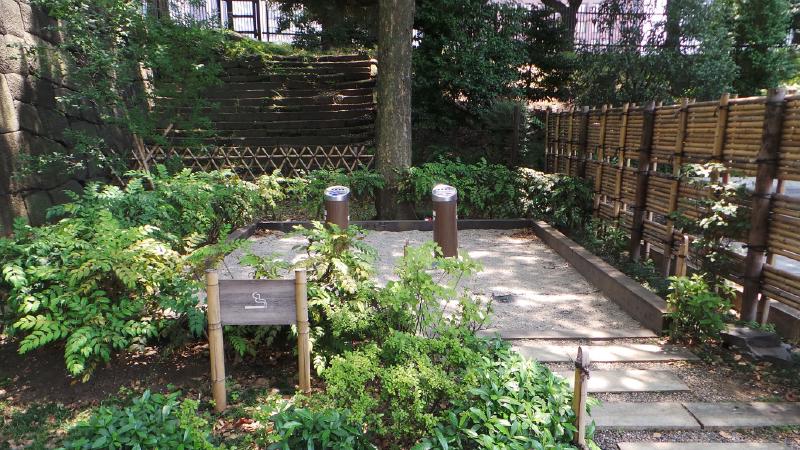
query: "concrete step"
304, 59
277, 116
298, 69
255, 108
643, 416
566, 333
729, 415
310, 78
361, 139
695, 415
268, 90
630, 380
607, 353
268, 132
700, 446
362, 119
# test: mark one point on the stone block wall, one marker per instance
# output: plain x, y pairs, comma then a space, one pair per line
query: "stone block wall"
32, 122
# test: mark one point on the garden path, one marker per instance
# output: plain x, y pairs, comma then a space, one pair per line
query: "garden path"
535, 292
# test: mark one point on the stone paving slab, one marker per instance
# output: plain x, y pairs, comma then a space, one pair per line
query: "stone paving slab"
643, 416
607, 353
630, 380
700, 446
566, 333
745, 414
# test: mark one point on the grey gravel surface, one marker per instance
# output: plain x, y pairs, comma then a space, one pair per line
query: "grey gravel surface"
545, 292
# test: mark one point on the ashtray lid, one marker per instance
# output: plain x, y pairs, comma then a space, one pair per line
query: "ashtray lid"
444, 193
337, 193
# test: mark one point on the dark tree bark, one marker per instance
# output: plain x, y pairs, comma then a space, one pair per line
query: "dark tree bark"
393, 126
568, 12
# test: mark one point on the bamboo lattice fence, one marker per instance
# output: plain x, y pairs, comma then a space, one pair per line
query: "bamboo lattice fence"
632, 155
250, 162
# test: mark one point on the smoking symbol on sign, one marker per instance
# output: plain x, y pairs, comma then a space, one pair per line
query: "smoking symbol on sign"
261, 303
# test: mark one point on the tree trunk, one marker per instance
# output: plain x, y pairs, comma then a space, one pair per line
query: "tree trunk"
393, 154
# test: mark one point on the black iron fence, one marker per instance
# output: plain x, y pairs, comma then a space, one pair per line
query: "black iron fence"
258, 19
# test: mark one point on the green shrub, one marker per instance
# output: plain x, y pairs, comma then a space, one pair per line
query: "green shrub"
484, 190
418, 302
328, 429
605, 239
121, 266
188, 209
399, 391
696, 313
95, 285
307, 190
152, 421
340, 287
562, 200
516, 404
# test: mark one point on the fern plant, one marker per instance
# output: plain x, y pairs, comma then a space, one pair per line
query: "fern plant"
98, 286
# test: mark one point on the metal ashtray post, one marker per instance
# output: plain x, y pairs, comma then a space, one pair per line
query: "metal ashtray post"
337, 206
445, 218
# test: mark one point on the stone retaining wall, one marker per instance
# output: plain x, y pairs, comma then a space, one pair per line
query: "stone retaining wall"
31, 119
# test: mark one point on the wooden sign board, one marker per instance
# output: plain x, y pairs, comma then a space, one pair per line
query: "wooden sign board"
255, 302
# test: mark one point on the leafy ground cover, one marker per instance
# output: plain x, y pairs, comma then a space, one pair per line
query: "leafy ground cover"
111, 284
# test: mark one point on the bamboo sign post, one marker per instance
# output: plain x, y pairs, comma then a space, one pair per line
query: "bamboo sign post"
582, 363
255, 302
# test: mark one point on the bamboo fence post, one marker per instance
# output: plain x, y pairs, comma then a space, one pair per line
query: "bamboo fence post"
547, 146
215, 345
642, 176
601, 160
301, 311
582, 363
767, 160
517, 119
569, 139
683, 254
677, 161
623, 131
780, 189
557, 149
583, 140
722, 125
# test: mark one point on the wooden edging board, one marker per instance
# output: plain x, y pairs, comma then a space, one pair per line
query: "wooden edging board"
644, 306
408, 225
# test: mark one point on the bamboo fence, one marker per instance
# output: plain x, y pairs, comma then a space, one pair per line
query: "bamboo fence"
250, 162
632, 156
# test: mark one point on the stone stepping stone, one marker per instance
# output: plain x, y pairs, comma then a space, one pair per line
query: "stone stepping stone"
746, 414
566, 333
700, 446
630, 380
607, 353
643, 416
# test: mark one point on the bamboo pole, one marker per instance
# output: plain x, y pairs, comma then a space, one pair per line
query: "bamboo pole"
683, 253
303, 348
766, 172
570, 124
557, 149
583, 140
642, 176
598, 179
547, 147
623, 131
720, 131
677, 161
579, 396
215, 343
